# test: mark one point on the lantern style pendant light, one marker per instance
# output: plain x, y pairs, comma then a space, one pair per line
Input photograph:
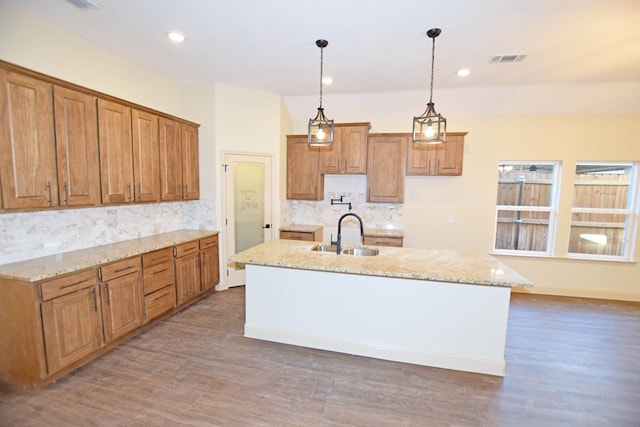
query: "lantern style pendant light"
431, 127
320, 128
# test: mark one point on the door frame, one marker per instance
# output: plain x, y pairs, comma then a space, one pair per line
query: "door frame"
224, 229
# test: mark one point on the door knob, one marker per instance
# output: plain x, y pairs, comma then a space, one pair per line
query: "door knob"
267, 226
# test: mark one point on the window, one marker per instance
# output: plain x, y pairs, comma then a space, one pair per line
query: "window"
602, 216
526, 207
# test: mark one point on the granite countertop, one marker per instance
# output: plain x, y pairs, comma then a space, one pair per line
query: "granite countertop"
408, 263
37, 269
301, 228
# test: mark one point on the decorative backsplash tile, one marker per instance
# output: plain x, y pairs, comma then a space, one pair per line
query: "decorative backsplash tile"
28, 235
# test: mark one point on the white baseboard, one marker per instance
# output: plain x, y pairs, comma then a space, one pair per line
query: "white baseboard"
490, 367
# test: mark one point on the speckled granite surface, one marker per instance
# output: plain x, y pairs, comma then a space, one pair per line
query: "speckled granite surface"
301, 228
408, 263
37, 269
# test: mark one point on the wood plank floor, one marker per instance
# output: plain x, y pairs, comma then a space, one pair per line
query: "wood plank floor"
570, 362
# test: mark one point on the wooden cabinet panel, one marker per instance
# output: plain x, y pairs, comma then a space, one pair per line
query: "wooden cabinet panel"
119, 268
383, 241
71, 318
436, 160
158, 277
159, 302
188, 284
304, 181
348, 154
76, 147
122, 305
170, 160
298, 235
116, 164
190, 162
385, 174
27, 163
209, 263
146, 156
157, 257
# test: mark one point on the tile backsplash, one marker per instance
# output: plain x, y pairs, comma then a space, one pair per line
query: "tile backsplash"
26, 235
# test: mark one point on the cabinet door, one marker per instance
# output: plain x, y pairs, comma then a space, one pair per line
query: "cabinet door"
72, 327
304, 181
210, 270
354, 149
27, 163
76, 147
116, 164
385, 176
190, 162
170, 160
187, 277
122, 305
146, 156
449, 160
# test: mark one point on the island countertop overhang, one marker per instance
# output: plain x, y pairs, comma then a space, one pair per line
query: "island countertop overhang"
408, 263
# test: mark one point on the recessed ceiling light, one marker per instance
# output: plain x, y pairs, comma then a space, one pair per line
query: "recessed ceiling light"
327, 80
463, 72
176, 36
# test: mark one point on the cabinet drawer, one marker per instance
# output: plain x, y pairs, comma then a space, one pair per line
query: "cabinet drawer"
119, 268
68, 284
208, 242
157, 277
383, 241
159, 302
157, 257
296, 235
188, 248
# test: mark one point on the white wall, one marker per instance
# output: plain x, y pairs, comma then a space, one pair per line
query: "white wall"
567, 123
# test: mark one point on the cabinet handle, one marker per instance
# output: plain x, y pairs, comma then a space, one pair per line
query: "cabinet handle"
437, 166
48, 186
129, 189
125, 269
163, 258
186, 191
139, 191
106, 293
68, 285
160, 271
162, 296
95, 301
66, 194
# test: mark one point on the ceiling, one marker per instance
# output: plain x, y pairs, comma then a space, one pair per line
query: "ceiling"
374, 45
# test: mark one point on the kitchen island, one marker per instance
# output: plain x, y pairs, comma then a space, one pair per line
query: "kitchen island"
430, 307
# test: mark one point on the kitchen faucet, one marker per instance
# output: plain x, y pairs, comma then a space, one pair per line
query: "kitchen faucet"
339, 238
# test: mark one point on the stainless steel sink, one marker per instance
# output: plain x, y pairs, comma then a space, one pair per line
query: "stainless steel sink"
360, 251
325, 248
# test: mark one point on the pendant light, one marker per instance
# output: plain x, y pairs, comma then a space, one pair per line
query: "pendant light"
431, 127
320, 128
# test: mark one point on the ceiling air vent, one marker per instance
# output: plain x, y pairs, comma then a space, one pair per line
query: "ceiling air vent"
84, 4
507, 58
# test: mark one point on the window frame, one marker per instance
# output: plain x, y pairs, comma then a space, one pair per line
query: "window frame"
631, 212
552, 209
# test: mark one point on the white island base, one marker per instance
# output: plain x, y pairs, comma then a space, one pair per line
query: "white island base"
441, 324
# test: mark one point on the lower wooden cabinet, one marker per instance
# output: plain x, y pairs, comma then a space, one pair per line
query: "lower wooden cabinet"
187, 264
209, 259
309, 236
50, 327
383, 241
71, 319
122, 305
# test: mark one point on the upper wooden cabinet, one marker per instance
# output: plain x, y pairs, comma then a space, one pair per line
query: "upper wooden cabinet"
304, 181
27, 163
116, 163
348, 153
67, 146
76, 147
436, 160
385, 172
146, 156
179, 161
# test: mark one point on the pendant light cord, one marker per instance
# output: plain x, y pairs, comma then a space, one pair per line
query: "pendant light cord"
321, 64
433, 55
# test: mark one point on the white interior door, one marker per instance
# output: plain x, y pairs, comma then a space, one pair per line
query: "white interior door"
248, 207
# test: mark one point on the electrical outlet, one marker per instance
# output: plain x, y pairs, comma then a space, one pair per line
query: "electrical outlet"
451, 219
